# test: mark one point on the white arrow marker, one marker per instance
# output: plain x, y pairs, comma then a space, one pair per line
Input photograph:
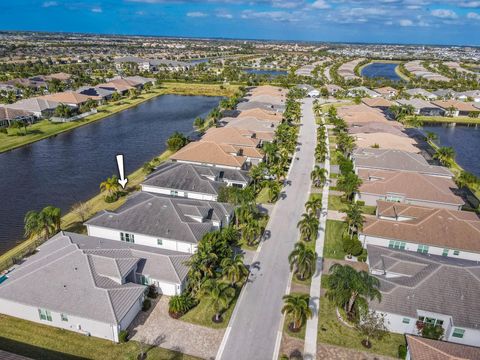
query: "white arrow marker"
122, 181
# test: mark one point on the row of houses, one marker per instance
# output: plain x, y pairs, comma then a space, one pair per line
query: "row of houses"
40, 107
421, 246
151, 65
95, 284
35, 82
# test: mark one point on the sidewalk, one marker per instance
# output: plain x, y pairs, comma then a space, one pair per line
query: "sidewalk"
310, 347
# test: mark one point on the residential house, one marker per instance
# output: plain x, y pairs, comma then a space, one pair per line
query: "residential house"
444, 94
378, 102
362, 91
232, 136
360, 114
262, 114
90, 290
387, 92
388, 159
456, 108
248, 105
269, 99
69, 98
394, 128
96, 92
423, 107
164, 222
193, 181
421, 93
7, 116
151, 65
333, 89
264, 130
435, 231
420, 348
407, 187
419, 289
386, 140
39, 107
474, 95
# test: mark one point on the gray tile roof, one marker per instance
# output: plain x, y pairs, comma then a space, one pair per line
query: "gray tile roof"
194, 178
388, 159
79, 275
179, 219
427, 282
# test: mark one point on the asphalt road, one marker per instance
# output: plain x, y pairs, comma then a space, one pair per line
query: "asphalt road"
253, 331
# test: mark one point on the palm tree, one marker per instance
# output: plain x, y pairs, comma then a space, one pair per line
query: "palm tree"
274, 190
270, 150
233, 269
308, 226
110, 186
465, 178
318, 176
313, 205
349, 184
219, 296
256, 174
350, 288
354, 218
303, 260
297, 307
43, 223
251, 231
431, 136
445, 154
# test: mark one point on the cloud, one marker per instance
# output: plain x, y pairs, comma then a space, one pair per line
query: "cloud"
320, 4
96, 9
469, 4
223, 14
473, 15
444, 14
48, 4
277, 16
196, 14
406, 22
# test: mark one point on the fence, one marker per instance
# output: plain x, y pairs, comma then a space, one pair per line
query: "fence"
73, 118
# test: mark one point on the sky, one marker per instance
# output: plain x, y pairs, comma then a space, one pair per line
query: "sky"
379, 21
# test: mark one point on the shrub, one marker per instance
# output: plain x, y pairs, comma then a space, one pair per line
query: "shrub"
352, 246
361, 203
3, 131
179, 305
111, 198
123, 336
176, 141
402, 351
363, 256
147, 304
152, 292
148, 168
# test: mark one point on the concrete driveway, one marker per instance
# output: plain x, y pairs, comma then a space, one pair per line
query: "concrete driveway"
157, 328
253, 332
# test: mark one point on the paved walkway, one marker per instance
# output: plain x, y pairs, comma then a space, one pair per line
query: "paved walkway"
310, 349
336, 215
254, 330
157, 328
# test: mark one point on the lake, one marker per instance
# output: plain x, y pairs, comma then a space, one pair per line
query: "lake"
464, 139
381, 70
69, 167
270, 73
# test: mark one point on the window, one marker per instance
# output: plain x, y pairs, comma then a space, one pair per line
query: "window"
458, 333
64, 317
393, 198
145, 280
406, 321
430, 321
456, 252
173, 192
445, 252
423, 249
45, 315
399, 245
159, 242
129, 238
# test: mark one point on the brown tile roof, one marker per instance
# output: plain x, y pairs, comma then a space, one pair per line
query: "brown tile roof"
386, 141
377, 102
207, 152
413, 186
459, 105
261, 114
252, 124
456, 230
11, 114
268, 90
59, 76
361, 114
232, 136
394, 128
116, 85
68, 97
386, 90
426, 349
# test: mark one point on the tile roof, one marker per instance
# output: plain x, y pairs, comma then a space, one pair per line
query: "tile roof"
232, 136
418, 103
178, 219
35, 104
456, 230
373, 127
388, 159
207, 152
261, 114
438, 284
361, 114
421, 348
413, 186
386, 140
459, 105
193, 178
12, 114
68, 97
377, 102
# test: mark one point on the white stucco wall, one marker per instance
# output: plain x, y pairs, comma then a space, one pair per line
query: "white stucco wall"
87, 326
183, 194
207, 164
131, 314
410, 246
169, 244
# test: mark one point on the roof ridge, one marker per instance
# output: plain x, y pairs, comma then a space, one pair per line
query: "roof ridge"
451, 357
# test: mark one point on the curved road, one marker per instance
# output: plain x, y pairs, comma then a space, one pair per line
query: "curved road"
253, 331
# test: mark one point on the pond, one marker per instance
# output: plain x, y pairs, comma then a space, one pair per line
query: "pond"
69, 167
381, 70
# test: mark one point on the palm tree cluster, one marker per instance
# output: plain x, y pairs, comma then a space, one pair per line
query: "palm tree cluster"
296, 307
445, 155
111, 187
42, 224
352, 289
293, 111
321, 148
400, 112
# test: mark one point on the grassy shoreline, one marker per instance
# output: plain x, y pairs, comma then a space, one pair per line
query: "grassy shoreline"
44, 129
449, 120
71, 221
397, 68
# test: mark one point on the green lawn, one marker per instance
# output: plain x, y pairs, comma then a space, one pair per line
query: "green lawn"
335, 202
202, 314
446, 119
45, 129
263, 197
331, 331
333, 247
44, 342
